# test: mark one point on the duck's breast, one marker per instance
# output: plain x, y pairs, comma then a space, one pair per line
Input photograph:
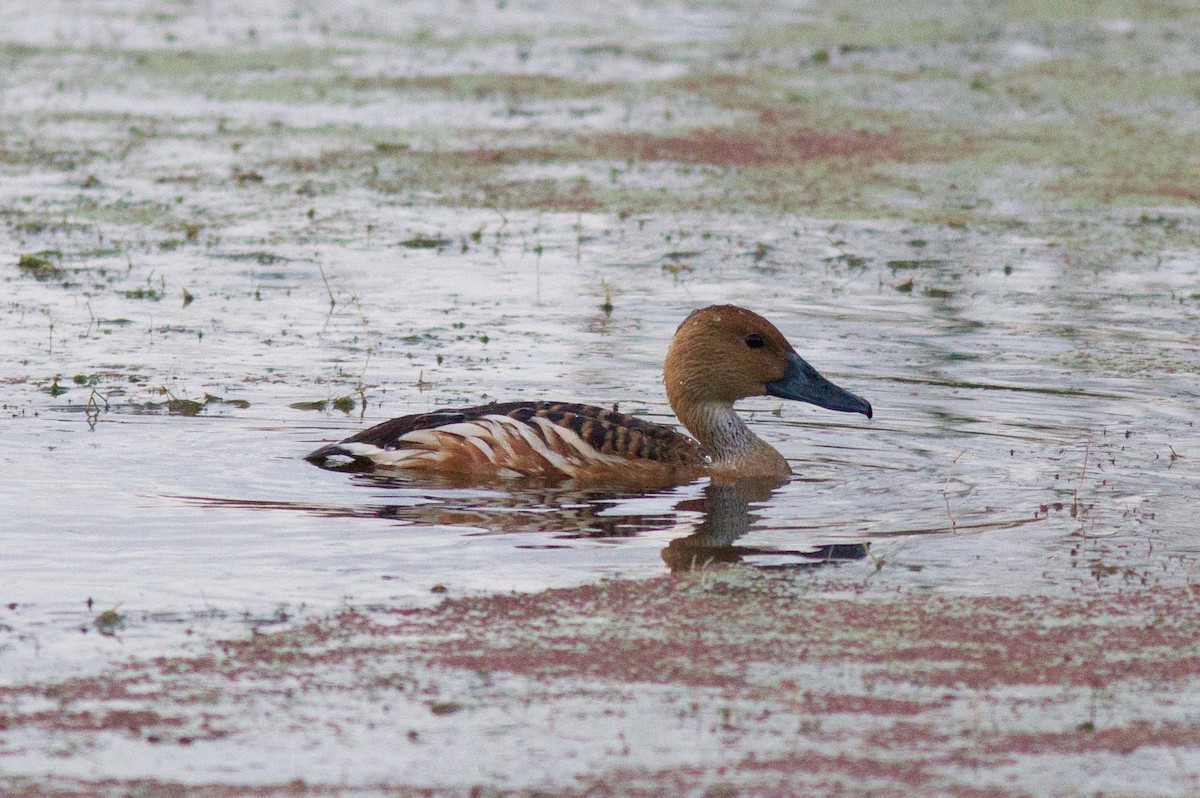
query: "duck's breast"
542, 439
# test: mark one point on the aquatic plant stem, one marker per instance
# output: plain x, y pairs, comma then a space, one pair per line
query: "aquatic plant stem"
946, 492
332, 301
1076, 507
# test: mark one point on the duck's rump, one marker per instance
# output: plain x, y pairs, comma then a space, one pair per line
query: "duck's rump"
543, 439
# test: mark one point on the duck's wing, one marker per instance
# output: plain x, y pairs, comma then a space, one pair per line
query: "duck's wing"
514, 438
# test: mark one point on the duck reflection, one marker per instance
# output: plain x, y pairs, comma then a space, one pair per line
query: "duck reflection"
727, 515
713, 522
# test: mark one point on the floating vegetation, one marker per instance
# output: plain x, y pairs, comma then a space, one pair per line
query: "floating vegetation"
853, 261
247, 176
676, 268
342, 403
209, 399
914, 263
420, 241
40, 266
143, 293
445, 707
190, 407
184, 407
109, 622
262, 257
679, 261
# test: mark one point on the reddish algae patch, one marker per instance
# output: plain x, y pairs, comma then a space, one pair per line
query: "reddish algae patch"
671, 631
813, 687
1121, 740
758, 147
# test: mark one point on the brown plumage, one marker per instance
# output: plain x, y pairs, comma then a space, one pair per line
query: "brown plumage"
719, 354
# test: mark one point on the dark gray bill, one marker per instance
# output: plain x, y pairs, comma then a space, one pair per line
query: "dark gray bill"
804, 383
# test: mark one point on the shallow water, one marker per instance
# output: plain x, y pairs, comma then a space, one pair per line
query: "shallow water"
989, 403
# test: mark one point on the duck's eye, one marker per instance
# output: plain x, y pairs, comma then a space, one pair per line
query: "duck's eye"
755, 341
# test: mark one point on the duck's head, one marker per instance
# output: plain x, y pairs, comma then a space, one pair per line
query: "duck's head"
723, 353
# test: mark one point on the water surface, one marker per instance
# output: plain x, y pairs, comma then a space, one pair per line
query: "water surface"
1017, 418
213, 224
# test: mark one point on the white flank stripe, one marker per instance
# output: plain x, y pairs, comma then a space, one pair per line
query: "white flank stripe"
497, 433
590, 453
535, 442
505, 441
560, 438
424, 437
463, 429
482, 445
554, 432
388, 457
474, 433
360, 449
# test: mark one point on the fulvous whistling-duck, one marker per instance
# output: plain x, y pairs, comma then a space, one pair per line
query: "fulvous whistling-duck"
719, 354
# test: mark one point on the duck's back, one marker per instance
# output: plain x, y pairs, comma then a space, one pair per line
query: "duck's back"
553, 440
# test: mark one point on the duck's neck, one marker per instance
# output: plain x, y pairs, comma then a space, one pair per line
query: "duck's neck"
731, 444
